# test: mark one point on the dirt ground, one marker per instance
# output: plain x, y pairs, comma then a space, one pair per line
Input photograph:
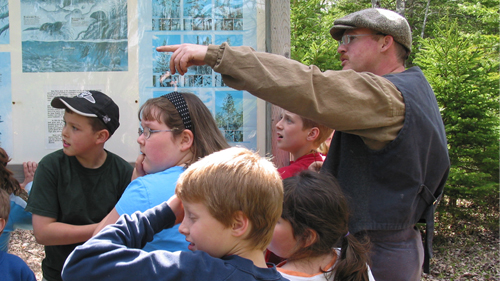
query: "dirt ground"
22, 243
455, 258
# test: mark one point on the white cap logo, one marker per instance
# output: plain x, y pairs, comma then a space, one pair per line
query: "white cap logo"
86, 95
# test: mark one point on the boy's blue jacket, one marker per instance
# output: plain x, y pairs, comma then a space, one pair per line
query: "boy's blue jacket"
115, 254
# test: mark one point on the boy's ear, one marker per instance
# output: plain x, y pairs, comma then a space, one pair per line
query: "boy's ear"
240, 225
186, 140
313, 134
102, 136
310, 237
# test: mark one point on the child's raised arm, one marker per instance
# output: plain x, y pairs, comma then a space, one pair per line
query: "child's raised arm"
115, 251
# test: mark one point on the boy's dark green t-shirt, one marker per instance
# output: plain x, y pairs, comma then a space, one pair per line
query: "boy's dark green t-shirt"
65, 190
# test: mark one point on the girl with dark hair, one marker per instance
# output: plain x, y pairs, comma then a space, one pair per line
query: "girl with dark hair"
18, 195
313, 224
176, 130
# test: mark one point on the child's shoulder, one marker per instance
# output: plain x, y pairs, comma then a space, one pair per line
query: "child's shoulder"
300, 164
6, 258
13, 266
53, 162
246, 270
55, 156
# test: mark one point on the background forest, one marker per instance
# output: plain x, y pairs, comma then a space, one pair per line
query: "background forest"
455, 43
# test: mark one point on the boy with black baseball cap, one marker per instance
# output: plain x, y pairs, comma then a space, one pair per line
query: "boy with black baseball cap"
75, 188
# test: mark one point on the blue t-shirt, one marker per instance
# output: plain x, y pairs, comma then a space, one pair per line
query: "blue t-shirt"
148, 191
13, 268
18, 218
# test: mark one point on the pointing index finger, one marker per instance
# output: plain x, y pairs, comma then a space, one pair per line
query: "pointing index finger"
169, 48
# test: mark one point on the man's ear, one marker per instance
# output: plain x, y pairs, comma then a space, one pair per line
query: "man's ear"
388, 41
240, 225
313, 134
310, 237
186, 140
102, 136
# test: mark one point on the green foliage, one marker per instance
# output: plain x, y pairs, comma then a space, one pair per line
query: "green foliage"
463, 72
311, 42
310, 22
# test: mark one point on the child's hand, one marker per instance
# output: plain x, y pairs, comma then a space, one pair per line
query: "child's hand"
176, 205
29, 172
139, 169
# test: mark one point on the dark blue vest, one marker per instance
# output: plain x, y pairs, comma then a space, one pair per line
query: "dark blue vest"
395, 187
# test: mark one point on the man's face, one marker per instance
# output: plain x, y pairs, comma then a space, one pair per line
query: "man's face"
362, 52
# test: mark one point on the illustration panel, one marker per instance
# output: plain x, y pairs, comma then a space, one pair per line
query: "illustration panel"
5, 103
229, 114
167, 22
4, 22
198, 15
166, 15
74, 36
228, 15
230, 39
207, 97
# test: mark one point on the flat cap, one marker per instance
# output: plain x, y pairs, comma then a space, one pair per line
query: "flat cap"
381, 20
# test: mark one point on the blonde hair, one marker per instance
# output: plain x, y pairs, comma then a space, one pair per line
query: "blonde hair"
207, 136
232, 180
324, 131
325, 145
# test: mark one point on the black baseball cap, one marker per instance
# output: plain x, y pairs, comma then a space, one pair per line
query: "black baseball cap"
92, 104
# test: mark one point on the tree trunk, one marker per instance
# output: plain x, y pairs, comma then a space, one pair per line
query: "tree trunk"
375, 3
400, 7
425, 17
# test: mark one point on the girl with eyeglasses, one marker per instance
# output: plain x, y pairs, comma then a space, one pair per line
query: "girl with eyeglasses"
176, 130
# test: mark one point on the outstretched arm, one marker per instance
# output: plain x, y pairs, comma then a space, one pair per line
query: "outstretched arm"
359, 103
184, 56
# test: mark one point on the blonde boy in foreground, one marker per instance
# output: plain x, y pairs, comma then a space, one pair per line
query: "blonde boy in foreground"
231, 201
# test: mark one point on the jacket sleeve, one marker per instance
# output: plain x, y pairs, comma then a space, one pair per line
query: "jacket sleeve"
364, 104
115, 253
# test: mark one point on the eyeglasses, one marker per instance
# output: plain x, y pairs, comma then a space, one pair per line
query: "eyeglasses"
147, 131
346, 39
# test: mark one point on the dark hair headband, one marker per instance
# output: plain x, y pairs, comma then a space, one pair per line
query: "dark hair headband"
180, 104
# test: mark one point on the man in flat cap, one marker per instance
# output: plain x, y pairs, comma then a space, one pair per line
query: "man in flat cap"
389, 150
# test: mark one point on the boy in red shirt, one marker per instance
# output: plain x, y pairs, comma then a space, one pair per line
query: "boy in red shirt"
300, 137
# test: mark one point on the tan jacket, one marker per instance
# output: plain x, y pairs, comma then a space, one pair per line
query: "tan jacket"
359, 103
